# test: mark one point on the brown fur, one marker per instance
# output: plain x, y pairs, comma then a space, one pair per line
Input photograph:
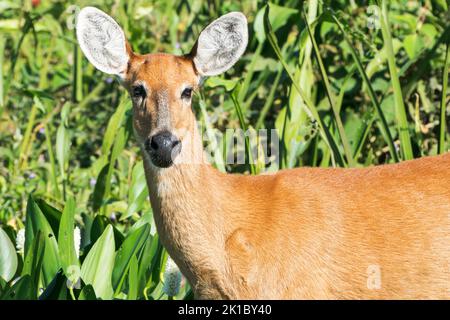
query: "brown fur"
303, 233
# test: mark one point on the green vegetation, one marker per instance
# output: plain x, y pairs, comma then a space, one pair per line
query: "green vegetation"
345, 83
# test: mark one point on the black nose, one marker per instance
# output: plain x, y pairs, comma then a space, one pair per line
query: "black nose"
163, 147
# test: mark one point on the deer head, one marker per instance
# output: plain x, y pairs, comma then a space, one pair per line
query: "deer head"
161, 85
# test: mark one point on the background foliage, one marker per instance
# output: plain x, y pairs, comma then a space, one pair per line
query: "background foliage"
346, 83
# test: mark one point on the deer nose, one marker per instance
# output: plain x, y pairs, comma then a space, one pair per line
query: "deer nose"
163, 147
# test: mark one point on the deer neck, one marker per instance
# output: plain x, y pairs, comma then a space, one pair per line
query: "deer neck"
185, 200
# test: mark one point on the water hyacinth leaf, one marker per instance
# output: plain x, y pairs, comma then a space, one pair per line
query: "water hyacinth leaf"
3, 286
21, 290
130, 248
146, 218
63, 142
98, 266
114, 123
87, 293
214, 82
66, 241
8, 257
412, 44
155, 267
133, 280
36, 222
119, 144
148, 252
278, 17
57, 289
138, 192
99, 189
52, 214
98, 227
442, 4
32, 265
189, 295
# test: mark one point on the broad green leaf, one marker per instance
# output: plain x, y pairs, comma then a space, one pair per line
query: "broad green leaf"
156, 264
63, 142
98, 266
3, 285
32, 265
87, 293
36, 221
98, 227
66, 243
119, 144
148, 253
115, 122
278, 17
442, 4
52, 214
219, 82
189, 295
8, 257
133, 280
138, 192
99, 189
21, 290
413, 43
130, 247
57, 289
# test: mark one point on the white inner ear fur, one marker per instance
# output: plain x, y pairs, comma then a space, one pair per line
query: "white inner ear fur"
102, 41
221, 44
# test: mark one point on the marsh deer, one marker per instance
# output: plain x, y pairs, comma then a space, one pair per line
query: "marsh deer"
378, 232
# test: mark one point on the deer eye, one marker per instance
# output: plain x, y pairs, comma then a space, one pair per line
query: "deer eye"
138, 91
187, 93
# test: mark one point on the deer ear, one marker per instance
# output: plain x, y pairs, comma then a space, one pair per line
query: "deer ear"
102, 41
220, 44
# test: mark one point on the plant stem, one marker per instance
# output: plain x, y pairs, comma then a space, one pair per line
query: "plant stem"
400, 111
442, 128
331, 98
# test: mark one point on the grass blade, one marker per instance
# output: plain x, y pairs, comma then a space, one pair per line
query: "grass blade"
402, 123
384, 128
442, 128
331, 97
2, 53
324, 129
77, 85
248, 151
265, 109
